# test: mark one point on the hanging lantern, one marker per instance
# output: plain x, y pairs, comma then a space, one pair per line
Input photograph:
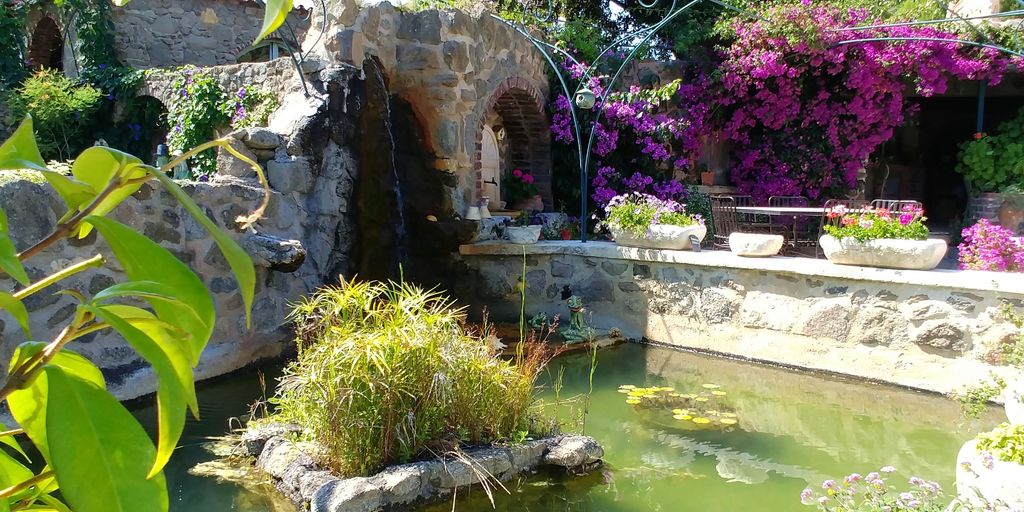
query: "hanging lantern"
585, 99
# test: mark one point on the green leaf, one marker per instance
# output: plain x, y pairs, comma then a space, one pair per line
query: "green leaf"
170, 360
10, 441
28, 404
143, 289
274, 15
100, 454
12, 472
17, 310
74, 193
144, 260
9, 261
20, 150
241, 264
97, 167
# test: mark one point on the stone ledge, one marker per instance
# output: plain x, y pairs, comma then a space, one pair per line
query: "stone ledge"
1002, 283
312, 488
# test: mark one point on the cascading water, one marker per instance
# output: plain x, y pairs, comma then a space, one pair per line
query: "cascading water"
380, 209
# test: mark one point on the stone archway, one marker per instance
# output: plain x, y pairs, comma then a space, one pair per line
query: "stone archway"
46, 49
519, 108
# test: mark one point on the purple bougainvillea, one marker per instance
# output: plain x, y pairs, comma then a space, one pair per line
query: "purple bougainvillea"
988, 246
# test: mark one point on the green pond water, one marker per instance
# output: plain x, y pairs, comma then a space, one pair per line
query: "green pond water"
793, 430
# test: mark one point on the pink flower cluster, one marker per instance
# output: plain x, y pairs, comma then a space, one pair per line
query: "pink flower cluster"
988, 246
806, 111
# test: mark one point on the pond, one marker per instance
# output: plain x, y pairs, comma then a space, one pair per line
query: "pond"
792, 429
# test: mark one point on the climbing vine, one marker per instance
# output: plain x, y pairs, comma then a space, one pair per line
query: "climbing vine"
201, 107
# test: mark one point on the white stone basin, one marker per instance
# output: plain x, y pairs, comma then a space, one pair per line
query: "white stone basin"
885, 253
661, 236
523, 234
1001, 483
755, 244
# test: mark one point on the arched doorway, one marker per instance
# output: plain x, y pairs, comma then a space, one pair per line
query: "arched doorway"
517, 107
46, 49
490, 168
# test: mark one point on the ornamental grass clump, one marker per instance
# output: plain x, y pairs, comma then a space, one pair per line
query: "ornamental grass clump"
635, 213
386, 374
868, 223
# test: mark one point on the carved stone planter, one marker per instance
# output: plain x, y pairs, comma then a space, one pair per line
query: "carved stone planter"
661, 237
755, 245
978, 484
885, 253
523, 234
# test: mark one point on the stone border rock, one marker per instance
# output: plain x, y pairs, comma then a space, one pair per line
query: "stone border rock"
309, 486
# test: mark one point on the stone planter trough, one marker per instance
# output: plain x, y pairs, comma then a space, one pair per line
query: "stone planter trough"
979, 485
523, 234
755, 244
885, 253
661, 237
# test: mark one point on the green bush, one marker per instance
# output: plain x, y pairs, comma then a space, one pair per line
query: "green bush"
991, 163
62, 110
385, 373
1005, 443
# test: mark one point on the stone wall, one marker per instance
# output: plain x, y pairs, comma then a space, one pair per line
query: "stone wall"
153, 33
929, 330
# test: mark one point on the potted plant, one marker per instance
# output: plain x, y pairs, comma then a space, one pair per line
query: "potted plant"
707, 178
990, 468
520, 191
1011, 211
881, 238
525, 229
642, 220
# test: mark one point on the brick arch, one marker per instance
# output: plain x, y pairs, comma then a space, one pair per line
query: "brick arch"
46, 47
521, 108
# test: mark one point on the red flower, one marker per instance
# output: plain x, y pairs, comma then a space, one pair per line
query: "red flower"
978, 136
517, 173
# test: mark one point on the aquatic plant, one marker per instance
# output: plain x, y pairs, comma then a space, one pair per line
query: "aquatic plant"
873, 493
636, 213
974, 399
386, 373
877, 223
702, 409
1005, 443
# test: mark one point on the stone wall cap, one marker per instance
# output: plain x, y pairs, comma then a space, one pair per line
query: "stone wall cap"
998, 282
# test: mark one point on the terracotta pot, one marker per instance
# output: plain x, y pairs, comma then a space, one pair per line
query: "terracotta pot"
1011, 213
661, 236
532, 204
707, 178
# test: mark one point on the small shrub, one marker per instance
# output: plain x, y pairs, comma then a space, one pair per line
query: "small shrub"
386, 373
874, 224
1005, 443
991, 163
988, 246
974, 399
636, 213
875, 493
61, 109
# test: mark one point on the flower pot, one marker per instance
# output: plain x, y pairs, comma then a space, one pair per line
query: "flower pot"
661, 236
885, 253
979, 482
755, 245
530, 204
1011, 213
1013, 398
707, 178
523, 234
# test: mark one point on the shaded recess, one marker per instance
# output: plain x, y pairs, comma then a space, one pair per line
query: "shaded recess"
46, 49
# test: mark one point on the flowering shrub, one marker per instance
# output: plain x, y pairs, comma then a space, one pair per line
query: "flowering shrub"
249, 106
871, 493
518, 185
872, 224
806, 112
1005, 443
988, 246
636, 213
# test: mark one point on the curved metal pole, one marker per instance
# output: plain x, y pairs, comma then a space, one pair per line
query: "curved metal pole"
931, 39
1005, 14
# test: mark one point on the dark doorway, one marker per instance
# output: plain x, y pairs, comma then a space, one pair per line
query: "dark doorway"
47, 47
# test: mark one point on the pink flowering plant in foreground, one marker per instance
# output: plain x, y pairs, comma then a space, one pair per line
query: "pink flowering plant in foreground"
877, 223
988, 246
635, 213
806, 112
874, 493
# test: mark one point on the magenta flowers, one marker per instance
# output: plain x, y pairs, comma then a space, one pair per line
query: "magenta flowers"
988, 246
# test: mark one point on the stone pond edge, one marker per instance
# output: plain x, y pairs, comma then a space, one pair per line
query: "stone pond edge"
297, 476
